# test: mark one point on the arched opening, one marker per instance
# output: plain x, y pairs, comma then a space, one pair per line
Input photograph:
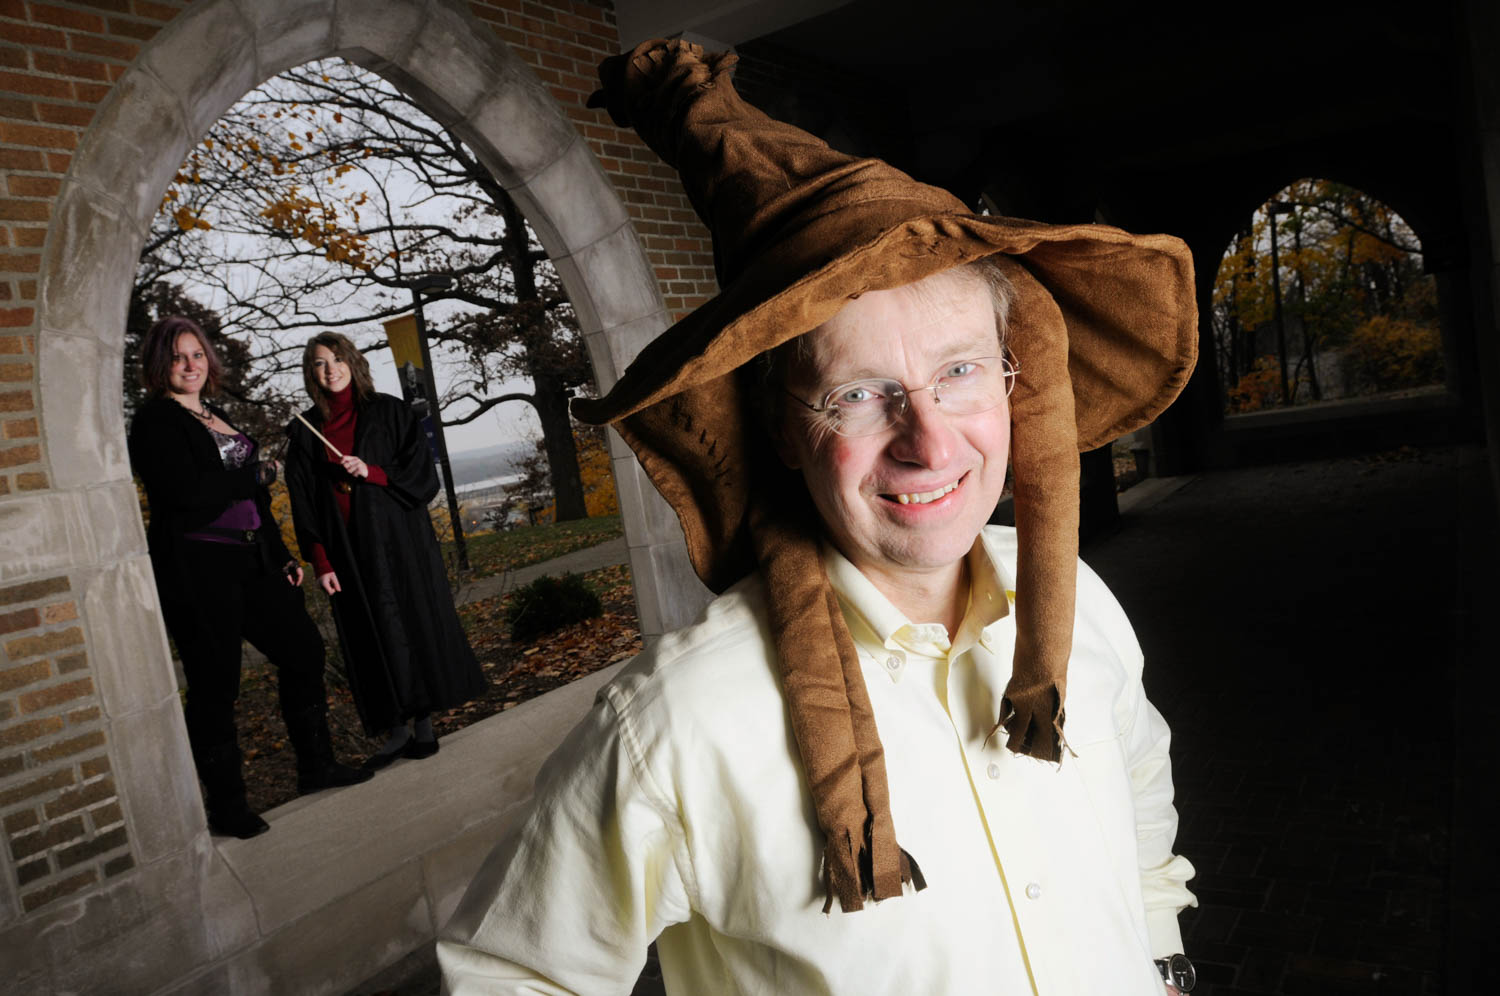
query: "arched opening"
87, 524
325, 199
1322, 298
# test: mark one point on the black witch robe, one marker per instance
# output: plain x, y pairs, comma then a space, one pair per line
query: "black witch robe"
405, 652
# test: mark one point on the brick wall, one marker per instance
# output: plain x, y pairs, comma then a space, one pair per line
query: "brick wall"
62, 819
57, 62
563, 42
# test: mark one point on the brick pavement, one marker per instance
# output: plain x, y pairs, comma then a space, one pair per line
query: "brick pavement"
1298, 623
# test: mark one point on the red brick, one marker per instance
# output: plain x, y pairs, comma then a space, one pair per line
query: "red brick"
94, 766
14, 622
78, 798
25, 819
69, 747
16, 318
60, 64
39, 136
21, 428
37, 786
7, 709
44, 643
32, 591
46, 698
12, 765
31, 480
91, 93
65, 114
15, 456
4, 485
71, 663
20, 159
28, 293
36, 900
155, 11
26, 238
108, 47
33, 36
12, 209
115, 866
47, 838
63, 18
104, 843
19, 110
107, 815
132, 29
34, 86
33, 186
115, 6
33, 870
24, 674
12, 57
59, 612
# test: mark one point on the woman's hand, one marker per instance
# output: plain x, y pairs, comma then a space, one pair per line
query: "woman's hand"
293, 572
356, 467
330, 583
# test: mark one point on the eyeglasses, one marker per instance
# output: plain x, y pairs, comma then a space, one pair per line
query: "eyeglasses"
865, 407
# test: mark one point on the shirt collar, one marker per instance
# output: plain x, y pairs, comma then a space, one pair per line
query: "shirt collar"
876, 623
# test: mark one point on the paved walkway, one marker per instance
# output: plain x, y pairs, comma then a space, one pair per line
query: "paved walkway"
606, 554
1302, 625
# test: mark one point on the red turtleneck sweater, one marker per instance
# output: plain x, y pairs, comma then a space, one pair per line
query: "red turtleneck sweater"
339, 428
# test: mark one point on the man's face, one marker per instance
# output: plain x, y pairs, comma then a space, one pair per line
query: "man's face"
858, 483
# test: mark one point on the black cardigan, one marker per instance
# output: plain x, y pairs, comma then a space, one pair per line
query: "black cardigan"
187, 488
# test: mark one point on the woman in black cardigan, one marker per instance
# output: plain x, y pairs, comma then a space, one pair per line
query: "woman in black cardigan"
223, 574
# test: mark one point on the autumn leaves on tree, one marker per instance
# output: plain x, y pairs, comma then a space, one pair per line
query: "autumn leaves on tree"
318, 201
1322, 296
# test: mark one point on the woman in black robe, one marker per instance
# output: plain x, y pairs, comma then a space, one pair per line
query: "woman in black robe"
223, 574
362, 522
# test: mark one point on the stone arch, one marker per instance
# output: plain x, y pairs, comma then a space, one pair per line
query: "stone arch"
185, 78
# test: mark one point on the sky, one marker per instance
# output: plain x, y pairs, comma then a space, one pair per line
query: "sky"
410, 202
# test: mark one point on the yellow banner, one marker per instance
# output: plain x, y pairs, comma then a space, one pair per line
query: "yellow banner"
402, 334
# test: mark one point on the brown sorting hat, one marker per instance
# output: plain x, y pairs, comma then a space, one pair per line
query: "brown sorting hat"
1104, 326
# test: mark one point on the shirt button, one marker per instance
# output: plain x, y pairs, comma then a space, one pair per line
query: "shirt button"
893, 663
993, 770
1033, 891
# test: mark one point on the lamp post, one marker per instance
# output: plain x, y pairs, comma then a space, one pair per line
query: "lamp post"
438, 282
1274, 208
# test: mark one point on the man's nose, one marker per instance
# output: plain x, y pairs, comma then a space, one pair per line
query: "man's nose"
924, 435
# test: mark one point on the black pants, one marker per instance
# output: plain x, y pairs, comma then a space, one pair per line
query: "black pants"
231, 594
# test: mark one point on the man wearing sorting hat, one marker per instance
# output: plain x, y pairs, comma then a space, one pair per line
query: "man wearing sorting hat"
902, 752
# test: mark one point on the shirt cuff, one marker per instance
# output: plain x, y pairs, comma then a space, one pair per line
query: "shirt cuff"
1166, 935
319, 558
377, 476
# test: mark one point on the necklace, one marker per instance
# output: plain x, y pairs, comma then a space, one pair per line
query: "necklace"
201, 413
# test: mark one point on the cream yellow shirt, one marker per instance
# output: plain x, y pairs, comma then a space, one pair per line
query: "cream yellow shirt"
678, 809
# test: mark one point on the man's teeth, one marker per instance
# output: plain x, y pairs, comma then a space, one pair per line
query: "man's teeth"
923, 497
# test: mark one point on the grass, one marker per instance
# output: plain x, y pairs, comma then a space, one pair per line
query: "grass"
496, 552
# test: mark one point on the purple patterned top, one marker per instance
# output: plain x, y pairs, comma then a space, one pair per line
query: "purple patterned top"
235, 449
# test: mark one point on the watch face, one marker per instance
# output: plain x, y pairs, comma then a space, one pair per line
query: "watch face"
1181, 972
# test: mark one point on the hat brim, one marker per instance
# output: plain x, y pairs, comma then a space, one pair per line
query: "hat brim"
1128, 303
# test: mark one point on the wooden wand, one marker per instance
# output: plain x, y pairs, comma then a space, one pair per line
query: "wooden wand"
315, 432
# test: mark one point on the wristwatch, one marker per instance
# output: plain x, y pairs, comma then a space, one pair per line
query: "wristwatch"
1178, 970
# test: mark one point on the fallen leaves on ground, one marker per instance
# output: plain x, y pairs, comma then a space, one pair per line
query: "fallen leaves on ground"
515, 674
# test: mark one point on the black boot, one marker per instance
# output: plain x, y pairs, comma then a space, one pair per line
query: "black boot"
317, 768
229, 815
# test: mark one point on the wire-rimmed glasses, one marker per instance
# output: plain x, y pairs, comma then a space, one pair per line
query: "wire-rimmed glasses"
965, 387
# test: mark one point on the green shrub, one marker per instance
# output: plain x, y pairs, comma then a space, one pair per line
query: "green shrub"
549, 604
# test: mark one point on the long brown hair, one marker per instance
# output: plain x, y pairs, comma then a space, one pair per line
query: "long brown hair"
345, 352
159, 346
